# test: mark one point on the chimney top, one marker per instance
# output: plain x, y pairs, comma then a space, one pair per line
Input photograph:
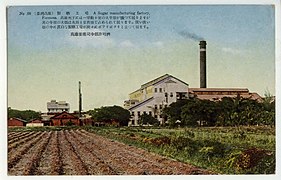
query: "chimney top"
203, 44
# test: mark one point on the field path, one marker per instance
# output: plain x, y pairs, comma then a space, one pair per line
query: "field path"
79, 152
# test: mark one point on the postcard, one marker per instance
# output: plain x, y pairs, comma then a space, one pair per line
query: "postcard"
141, 89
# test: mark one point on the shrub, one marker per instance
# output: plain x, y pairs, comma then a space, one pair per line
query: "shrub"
184, 143
266, 165
161, 141
215, 148
256, 160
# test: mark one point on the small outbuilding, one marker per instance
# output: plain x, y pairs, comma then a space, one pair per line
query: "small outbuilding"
65, 119
35, 123
16, 122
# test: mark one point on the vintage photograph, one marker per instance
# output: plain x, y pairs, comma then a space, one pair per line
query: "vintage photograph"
141, 89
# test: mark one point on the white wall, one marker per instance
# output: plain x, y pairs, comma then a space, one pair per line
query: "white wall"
34, 124
160, 99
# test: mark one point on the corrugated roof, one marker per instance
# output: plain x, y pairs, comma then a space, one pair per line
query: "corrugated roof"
253, 96
155, 81
218, 89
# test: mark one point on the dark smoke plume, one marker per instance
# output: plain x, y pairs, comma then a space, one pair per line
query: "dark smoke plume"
191, 36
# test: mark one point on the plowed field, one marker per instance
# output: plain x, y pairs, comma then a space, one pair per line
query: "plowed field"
79, 152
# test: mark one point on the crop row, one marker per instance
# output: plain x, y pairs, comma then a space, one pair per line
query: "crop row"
79, 152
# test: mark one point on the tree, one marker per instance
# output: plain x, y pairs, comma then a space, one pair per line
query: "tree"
25, 114
173, 111
146, 119
189, 114
199, 111
109, 113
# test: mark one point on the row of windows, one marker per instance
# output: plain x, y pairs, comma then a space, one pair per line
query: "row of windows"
155, 116
160, 90
139, 113
144, 112
171, 94
57, 110
160, 106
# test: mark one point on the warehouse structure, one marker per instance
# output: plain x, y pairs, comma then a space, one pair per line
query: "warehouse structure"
155, 95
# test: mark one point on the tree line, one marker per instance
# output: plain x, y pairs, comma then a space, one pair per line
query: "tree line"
23, 114
190, 112
108, 113
226, 112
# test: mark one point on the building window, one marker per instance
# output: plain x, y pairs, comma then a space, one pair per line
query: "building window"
133, 122
155, 107
160, 115
138, 113
171, 94
155, 116
160, 90
133, 113
166, 94
150, 113
155, 90
160, 106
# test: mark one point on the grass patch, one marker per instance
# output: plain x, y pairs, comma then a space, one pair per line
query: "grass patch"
226, 151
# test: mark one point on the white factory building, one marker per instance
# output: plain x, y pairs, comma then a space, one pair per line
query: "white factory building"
57, 107
153, 96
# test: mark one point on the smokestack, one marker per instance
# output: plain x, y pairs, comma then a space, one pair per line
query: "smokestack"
80, 99
203, 83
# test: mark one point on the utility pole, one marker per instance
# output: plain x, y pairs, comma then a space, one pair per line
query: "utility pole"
80, 99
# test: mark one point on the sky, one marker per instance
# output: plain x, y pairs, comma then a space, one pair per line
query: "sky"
46, 64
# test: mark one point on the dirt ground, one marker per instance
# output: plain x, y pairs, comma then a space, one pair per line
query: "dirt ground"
78, 152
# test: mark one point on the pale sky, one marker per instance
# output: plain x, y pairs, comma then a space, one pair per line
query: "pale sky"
47, 64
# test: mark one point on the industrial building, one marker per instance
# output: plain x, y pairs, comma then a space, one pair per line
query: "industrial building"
35, 123
154, 95
159, 93
16, 122
57, 107
215, 94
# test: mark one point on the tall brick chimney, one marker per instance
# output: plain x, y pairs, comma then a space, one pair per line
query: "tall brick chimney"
203, 77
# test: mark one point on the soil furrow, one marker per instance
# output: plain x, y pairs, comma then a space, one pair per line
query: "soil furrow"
71, 164
20, 137
28, 161
13, 146
129, 164
13, 135
16, 155
94, 164
46, 165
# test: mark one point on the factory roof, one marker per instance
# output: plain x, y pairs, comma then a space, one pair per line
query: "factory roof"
219, 93
218, 90
157, 80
